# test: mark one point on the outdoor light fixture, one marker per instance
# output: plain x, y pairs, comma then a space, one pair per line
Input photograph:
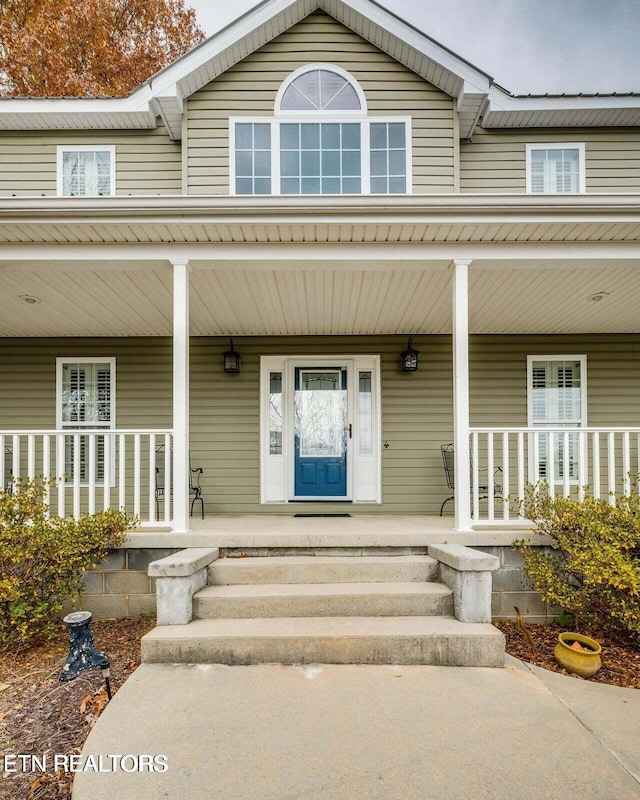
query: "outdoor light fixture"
232, 360
409, 358
82, 654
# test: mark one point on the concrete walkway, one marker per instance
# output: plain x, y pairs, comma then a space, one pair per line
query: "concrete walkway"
367, 733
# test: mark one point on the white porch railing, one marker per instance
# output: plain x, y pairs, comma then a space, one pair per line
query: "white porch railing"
571, 461
95, 469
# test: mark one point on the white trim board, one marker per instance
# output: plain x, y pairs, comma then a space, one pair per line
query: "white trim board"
364, 472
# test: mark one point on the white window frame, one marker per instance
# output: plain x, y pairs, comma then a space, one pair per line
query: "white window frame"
60, 425
86, 148
531, 423
364, 471
320, 117
579, 146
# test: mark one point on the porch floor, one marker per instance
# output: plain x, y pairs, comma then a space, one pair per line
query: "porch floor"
361, 530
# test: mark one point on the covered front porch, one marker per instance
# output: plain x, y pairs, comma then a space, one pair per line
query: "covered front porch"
488, 289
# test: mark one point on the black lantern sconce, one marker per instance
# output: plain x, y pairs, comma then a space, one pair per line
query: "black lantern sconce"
82, 654
409, 358
232, 360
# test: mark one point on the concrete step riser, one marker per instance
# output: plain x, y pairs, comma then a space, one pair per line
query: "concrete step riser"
238, 571
437, 650
372, 605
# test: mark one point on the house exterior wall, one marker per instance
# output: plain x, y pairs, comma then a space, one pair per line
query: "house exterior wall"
250, 88
416, 407
495, 160
147, 162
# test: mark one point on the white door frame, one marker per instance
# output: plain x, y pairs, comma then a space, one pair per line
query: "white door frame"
364, 471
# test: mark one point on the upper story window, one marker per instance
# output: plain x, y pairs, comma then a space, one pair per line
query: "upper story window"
86, 170
320, 141
555, 168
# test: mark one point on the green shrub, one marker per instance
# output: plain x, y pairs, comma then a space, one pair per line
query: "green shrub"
592, 569
42, 559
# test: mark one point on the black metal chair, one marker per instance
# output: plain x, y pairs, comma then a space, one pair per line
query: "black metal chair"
448, 461
194, 486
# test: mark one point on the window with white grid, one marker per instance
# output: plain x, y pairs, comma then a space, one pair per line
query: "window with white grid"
86, 171
86, 400
555, 168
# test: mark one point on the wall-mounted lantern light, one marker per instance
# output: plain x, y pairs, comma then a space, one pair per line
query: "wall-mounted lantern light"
232, 360
409, 358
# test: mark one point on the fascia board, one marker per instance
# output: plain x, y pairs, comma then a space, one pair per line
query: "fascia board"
499, 100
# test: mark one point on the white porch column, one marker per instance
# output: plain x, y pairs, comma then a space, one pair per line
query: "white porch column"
180, 396
462, 469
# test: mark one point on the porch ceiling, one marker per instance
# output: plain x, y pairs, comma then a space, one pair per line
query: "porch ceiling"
326, 298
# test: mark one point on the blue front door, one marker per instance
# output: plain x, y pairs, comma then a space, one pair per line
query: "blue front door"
320, 428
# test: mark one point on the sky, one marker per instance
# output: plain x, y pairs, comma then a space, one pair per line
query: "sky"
527, 46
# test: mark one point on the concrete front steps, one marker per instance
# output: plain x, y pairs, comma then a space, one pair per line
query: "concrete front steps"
325, 609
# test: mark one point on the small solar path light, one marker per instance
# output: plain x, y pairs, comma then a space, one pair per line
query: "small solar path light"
82, 654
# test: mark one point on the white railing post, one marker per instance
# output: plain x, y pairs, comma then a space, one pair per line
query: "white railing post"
460, 303
180, 397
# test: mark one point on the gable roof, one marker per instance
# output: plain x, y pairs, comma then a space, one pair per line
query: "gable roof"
163, 94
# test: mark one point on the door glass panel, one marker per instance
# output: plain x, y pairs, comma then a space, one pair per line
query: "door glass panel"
321, 413
275, 413
364, 414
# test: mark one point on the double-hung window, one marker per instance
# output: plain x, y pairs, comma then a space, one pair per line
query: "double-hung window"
85, 401
556, 394
320, 141
555, 168
86, 170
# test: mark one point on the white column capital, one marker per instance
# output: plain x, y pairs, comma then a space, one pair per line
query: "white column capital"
461, 262
180, 262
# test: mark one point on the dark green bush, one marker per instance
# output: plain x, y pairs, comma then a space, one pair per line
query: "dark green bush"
42, 559
593, 566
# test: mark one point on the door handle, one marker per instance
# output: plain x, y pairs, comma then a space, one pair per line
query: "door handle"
350, 431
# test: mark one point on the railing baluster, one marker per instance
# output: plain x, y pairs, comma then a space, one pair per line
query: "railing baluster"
520, 474
626, 464
551, 464
167, 479
490, 469
475, 479
62, 481
566, 465
152, 477
122, 484
535, 478
136, 475
611, 467
92, 473
582, 449
15, 466
31, 456
76, 476
46, 471
595, 461
505, 475
106, 504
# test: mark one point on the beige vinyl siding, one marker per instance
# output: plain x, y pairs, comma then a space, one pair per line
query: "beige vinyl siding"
495, 160
250, 88
416, 408
147, 162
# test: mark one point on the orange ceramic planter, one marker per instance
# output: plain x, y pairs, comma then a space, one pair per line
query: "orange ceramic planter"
584, 663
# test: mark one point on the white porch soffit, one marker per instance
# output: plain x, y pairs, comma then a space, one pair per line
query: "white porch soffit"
195, 221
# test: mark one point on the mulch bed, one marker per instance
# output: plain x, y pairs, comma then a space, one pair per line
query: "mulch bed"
620, 656
39, 715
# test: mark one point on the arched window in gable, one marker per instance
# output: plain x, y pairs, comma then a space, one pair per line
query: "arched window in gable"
320, 88
320, 141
